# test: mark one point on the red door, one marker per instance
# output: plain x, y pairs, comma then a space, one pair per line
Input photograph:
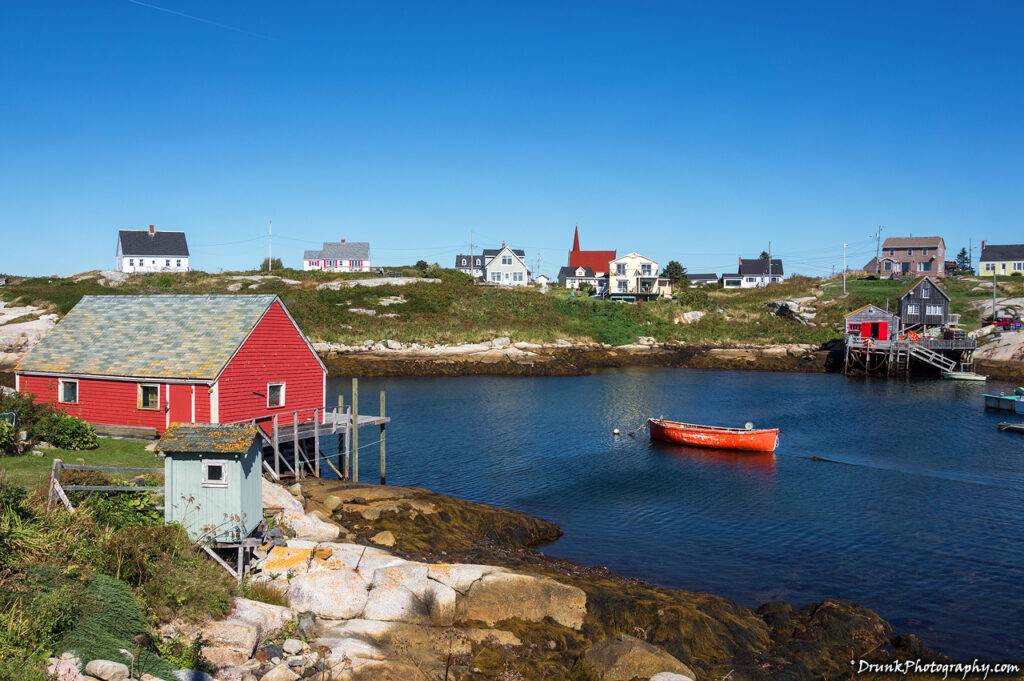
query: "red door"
883, 331
181, 404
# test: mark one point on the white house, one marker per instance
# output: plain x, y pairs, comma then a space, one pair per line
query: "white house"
339, 256
506, 266
636, 276
574, 277
139, 250
473, 265
755, 272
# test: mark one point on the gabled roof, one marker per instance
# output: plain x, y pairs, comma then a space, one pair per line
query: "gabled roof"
216, 438
140, 242
913, 242
918, 282
340, 250
171, 336
478, 261
711, 276
596, 260
1002, 252
868, 308
634, 254
752, 267
567, 271
491, 252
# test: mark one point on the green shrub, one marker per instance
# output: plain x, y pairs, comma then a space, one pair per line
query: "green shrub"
66, 432
8, 439
172, 576
263, 592
123, 509
112, 620
28, 410
184, 655
692, 298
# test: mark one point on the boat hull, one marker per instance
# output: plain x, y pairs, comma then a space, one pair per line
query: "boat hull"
1012, 403
762, 440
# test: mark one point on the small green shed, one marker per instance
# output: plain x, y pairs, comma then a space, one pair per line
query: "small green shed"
213, 480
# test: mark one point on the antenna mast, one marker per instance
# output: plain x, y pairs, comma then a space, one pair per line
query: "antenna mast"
270, 245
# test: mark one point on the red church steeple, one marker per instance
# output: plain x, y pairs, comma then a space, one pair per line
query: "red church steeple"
595, 260
576, 239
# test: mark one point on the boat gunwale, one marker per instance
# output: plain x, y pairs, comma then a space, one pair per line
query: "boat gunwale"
697, 426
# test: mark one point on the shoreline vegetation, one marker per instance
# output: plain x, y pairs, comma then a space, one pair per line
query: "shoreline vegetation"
436, 322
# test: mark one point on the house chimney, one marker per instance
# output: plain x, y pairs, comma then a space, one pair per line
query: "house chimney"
344, 241
152, 230
982, 244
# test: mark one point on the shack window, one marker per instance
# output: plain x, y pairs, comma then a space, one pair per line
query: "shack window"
214, 474
69, 391
275, 395
913, 309
149, 396
933, 310
924, 291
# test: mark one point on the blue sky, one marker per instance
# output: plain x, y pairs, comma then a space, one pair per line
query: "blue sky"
682, 131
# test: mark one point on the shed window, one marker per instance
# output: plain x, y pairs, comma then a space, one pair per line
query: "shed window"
149, 396
924, 291
275, 394
69, 392
214, 474
933, 310
913, 309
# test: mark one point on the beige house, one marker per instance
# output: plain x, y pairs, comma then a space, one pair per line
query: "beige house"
636, 276
914, 256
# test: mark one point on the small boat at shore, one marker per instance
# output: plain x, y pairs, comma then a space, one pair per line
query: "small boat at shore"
963, 376
1014, 403
714, 437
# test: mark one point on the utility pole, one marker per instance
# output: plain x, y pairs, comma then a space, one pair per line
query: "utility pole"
844, 267
970, 253
878, 250
993, 295
769, 263
472, 264
270, 245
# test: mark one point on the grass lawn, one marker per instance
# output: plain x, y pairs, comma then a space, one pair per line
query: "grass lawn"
31, 471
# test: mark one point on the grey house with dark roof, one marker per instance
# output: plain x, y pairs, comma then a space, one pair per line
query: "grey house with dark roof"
473, 265
339, 256
140, 250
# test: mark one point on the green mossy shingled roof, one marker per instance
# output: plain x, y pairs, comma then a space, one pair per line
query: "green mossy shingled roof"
217, 438
163, 336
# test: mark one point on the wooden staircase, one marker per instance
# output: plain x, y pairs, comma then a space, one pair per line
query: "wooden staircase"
936, 359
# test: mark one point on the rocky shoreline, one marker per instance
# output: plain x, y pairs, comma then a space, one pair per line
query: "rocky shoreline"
390, 583
504, 358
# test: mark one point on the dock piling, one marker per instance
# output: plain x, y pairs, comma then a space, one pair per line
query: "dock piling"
355, 430
383, 442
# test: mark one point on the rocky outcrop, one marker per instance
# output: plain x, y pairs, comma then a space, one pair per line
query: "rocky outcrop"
625, 657
376, 281
21, 327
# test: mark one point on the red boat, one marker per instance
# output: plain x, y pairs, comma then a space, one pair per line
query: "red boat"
715, 437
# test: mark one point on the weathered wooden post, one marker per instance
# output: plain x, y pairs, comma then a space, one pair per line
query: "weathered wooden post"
316, 442
383, 442
54, 477
277, 450
295, 444
347, 459
355, 430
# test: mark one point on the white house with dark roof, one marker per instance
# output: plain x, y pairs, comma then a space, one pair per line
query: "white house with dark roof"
506, 266
473, 265
140, 250
754, 272
1003, 259
339, 256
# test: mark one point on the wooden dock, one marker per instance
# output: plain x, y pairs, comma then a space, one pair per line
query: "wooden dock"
292, 440
894, 358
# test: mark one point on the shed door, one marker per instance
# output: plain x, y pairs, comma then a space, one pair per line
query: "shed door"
181, 404
882, 332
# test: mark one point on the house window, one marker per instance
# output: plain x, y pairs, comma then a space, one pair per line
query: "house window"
645, 270
913, 309
506, 260
933, 310
924, 266
888, 265
620, 268
131, 262
517, 276
149, 396
1002, 266
167, 263
622, 284
751, 280
177, 263
924, 251
275, 395
496, 277
892, 251
464, 261
68, 391
215, 474
989, 266
910, 251
1018, 266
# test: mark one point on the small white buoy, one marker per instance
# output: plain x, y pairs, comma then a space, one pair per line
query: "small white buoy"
615, 431
749, 425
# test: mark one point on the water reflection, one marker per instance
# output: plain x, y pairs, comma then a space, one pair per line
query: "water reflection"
761, 464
